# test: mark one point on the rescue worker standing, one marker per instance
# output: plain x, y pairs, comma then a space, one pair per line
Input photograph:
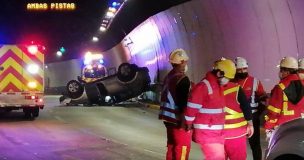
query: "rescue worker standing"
238, 121
256, 96
205, 110
173, 101
286, 102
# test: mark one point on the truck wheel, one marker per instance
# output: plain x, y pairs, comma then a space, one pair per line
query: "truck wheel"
35, 112
27, 113
74, 88
126, 72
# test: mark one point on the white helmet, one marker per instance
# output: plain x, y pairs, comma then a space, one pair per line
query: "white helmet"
177, 56
289, 62
301, 63
241, 62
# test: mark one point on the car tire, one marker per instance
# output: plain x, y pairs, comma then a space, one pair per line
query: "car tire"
75, 89
126, 72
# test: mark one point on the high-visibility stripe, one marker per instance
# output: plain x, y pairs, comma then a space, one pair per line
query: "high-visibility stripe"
231, 90
282, 86
170, 99
210, 91
285, 109
230, 111
211, 111
208, 127
189, 118
234, 116
285, 102
184, 153
168, 105
10, 79
168, 114
235, 125
194, 105
254, 88
274, 109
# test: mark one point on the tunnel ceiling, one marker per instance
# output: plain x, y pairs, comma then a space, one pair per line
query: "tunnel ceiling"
133, 13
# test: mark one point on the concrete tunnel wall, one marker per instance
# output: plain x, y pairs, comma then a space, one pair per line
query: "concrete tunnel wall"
262, 31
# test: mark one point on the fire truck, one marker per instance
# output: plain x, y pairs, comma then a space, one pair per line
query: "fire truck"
22, 78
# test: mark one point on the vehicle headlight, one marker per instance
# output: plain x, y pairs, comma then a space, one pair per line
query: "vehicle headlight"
33, 68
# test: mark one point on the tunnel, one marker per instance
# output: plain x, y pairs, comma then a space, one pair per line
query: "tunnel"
262, 31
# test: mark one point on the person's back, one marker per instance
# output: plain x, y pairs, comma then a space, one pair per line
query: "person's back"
286, 102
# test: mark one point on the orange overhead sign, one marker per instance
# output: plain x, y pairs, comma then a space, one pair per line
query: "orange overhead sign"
50, 6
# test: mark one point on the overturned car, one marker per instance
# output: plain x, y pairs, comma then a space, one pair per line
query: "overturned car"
287, 142
130, 81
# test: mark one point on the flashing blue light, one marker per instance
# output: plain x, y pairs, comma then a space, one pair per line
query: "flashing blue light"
115, 4
101, 61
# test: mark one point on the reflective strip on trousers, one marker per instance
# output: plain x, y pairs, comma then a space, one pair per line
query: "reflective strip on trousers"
211, 111
208, 127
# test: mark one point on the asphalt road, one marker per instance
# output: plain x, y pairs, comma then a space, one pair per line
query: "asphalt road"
125, 132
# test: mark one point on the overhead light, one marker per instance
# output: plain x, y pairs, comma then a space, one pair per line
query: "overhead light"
102, 29
95, 39
110, 14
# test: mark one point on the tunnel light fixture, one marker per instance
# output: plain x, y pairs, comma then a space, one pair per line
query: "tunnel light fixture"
95, 39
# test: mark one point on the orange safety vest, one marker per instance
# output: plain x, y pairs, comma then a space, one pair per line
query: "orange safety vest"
235, 123
169, 112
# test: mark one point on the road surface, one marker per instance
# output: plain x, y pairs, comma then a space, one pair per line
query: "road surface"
124, 132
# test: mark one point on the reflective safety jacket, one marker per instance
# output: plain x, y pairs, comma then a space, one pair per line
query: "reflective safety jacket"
169, 110
286, 102
205, 110
253, 89
235, 123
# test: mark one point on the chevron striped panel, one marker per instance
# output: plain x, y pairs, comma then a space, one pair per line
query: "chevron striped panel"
14, 59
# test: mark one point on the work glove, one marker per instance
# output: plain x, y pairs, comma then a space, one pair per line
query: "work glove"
268, 134
250, 129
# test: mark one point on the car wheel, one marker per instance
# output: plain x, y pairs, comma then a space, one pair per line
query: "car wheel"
126, 72
75, 89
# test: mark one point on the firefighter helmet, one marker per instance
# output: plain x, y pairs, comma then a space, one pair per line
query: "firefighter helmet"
227, 66
301, 63
289, 62
177, 56
241, 62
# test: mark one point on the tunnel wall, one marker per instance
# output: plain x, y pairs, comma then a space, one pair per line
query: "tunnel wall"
262, 31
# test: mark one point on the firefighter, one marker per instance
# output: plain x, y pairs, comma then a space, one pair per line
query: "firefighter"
173, 101
256, 96
205, 110
301, 68
238, 121
286, 102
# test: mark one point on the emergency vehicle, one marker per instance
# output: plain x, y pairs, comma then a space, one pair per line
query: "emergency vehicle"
22, 78
92, 70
